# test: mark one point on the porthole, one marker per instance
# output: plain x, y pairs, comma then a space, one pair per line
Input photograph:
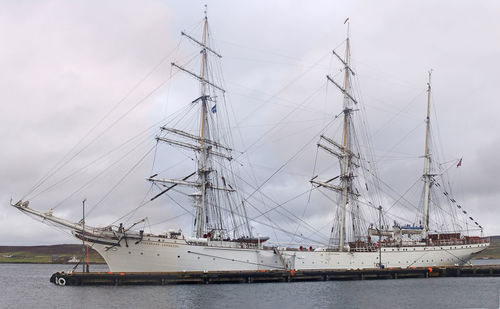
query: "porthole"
129, 252
157, 254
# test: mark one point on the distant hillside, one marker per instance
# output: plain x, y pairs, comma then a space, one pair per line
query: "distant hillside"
45, 254
495, 240
493, 252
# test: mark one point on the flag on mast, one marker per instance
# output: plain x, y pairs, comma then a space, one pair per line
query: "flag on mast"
346, 20
459, 163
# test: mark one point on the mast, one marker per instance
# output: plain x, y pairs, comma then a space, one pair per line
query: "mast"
210, 185
380, 237
427, 167
345, 178
342, 150
83, 235
202, 163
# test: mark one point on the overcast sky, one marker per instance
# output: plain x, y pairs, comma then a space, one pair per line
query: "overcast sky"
67, 65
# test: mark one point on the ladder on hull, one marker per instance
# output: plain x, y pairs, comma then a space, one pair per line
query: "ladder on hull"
282, 259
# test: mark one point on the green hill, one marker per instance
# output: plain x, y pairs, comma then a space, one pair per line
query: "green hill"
493, 252
56, 254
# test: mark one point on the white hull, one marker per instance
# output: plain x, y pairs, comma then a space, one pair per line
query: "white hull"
173, 255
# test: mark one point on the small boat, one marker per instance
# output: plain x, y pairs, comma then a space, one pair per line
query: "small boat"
73, 260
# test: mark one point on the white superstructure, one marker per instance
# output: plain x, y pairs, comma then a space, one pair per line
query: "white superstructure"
163, 255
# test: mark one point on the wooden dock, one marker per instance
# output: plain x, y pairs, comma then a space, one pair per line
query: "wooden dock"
110, 278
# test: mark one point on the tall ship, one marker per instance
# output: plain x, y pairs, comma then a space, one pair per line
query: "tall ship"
222, 238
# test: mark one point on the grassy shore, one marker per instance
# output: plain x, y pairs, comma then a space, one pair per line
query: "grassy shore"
493, 252
56, 254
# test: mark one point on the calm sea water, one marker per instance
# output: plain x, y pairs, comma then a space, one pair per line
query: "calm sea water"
28, 286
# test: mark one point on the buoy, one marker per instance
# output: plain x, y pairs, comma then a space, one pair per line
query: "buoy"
61, 281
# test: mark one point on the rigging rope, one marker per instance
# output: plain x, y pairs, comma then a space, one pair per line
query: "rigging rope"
453, 201
60, 164
121, 180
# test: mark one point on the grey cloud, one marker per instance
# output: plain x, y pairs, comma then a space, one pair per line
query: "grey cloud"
65, 64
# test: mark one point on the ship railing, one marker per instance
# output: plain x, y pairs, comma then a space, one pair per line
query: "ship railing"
454, 242
364, 249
